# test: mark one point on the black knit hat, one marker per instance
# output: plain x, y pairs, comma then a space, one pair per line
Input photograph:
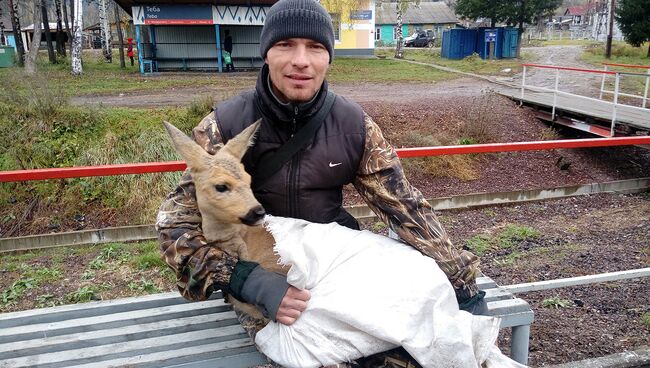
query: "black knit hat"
297, 19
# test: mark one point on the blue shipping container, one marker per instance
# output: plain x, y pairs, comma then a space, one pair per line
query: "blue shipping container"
458, 43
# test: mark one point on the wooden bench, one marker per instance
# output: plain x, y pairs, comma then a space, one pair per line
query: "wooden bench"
164, 330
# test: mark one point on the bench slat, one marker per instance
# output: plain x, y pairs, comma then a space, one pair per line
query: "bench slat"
83, 339
133, 347
95, 308
198, 307
221, 352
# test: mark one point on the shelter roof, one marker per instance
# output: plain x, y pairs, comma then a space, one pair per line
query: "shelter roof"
426, 12
31, 27
127, 4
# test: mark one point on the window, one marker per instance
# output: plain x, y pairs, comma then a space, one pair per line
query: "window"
336, 23
378, 34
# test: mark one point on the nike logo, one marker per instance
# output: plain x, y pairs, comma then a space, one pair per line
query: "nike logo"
336, 164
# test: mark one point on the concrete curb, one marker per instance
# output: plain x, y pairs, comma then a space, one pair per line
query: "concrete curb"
147, 232
639, 358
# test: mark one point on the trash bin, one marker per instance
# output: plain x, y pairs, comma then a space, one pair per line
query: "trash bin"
7, 55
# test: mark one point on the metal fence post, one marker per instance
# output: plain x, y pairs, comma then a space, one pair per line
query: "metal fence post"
523, 86
602, 84
645, 94
557, 82
616, 85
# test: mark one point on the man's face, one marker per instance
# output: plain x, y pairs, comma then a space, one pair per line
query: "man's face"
297, 67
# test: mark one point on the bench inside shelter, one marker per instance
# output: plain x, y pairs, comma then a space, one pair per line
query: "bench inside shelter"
164, 330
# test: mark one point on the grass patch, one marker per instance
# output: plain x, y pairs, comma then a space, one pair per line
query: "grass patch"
380, 70
458, 166
622, 53
556, 303
83, 294
508, 237
645, 319
40, 130
108, 78
148, 256
470, 64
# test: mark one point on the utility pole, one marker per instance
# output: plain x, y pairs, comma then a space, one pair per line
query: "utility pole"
610, 35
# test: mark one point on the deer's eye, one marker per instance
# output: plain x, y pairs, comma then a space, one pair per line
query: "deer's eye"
221, 188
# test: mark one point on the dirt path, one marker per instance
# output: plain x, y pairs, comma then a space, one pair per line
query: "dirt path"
378, 92
570, 81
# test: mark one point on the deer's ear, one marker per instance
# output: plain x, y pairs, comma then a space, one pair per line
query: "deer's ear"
238, 145
195, 156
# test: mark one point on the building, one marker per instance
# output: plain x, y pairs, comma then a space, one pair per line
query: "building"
436, 16
6, 26
189, 34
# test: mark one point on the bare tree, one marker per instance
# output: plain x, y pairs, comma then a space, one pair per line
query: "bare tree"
30, 59
120, 37
48, 34
60, 37
15, 24
77, 67
106, 32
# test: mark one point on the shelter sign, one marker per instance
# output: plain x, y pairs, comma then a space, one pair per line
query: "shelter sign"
361, 15
490, 35
240, 15
172, 14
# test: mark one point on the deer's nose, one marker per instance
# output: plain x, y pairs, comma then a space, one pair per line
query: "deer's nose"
254, 216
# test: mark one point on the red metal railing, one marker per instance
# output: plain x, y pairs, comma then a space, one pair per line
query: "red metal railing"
154, 167
596, 71
629, 65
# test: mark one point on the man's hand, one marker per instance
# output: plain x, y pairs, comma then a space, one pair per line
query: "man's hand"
292, 305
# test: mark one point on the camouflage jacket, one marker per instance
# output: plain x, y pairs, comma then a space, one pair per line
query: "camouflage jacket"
201, 267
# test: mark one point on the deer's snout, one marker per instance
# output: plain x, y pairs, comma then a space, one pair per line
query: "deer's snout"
254, 216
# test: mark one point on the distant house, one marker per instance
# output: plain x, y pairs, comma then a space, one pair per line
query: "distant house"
28, 34
5, 25
581, 15
428, 15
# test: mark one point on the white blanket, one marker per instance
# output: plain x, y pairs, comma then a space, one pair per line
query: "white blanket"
369, 294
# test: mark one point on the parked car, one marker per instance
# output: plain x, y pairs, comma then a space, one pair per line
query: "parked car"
420, 39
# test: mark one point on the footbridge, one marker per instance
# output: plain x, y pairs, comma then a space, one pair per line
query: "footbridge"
621, 107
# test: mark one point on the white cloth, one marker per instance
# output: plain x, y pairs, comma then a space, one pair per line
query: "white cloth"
370, 293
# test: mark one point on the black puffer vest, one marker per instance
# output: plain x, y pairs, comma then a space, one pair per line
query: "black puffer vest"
309, 186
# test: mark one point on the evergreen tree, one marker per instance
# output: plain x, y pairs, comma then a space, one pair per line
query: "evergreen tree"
633, 17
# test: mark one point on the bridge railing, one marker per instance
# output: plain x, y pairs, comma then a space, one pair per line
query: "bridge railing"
557, 92
644, 98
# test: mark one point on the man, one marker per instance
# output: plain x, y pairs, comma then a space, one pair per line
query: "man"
227, 46
347, 147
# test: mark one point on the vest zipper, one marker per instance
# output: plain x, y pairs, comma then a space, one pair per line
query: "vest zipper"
293, 173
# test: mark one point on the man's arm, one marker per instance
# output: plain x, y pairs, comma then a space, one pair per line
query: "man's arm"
200, 267
381, 182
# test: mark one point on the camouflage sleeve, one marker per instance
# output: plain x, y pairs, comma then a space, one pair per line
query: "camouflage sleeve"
381, 182
200, 267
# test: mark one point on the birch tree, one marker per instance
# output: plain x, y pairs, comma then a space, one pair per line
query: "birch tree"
401, 7
60, 37
77, 67
106, 32
15, 24
32, 55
